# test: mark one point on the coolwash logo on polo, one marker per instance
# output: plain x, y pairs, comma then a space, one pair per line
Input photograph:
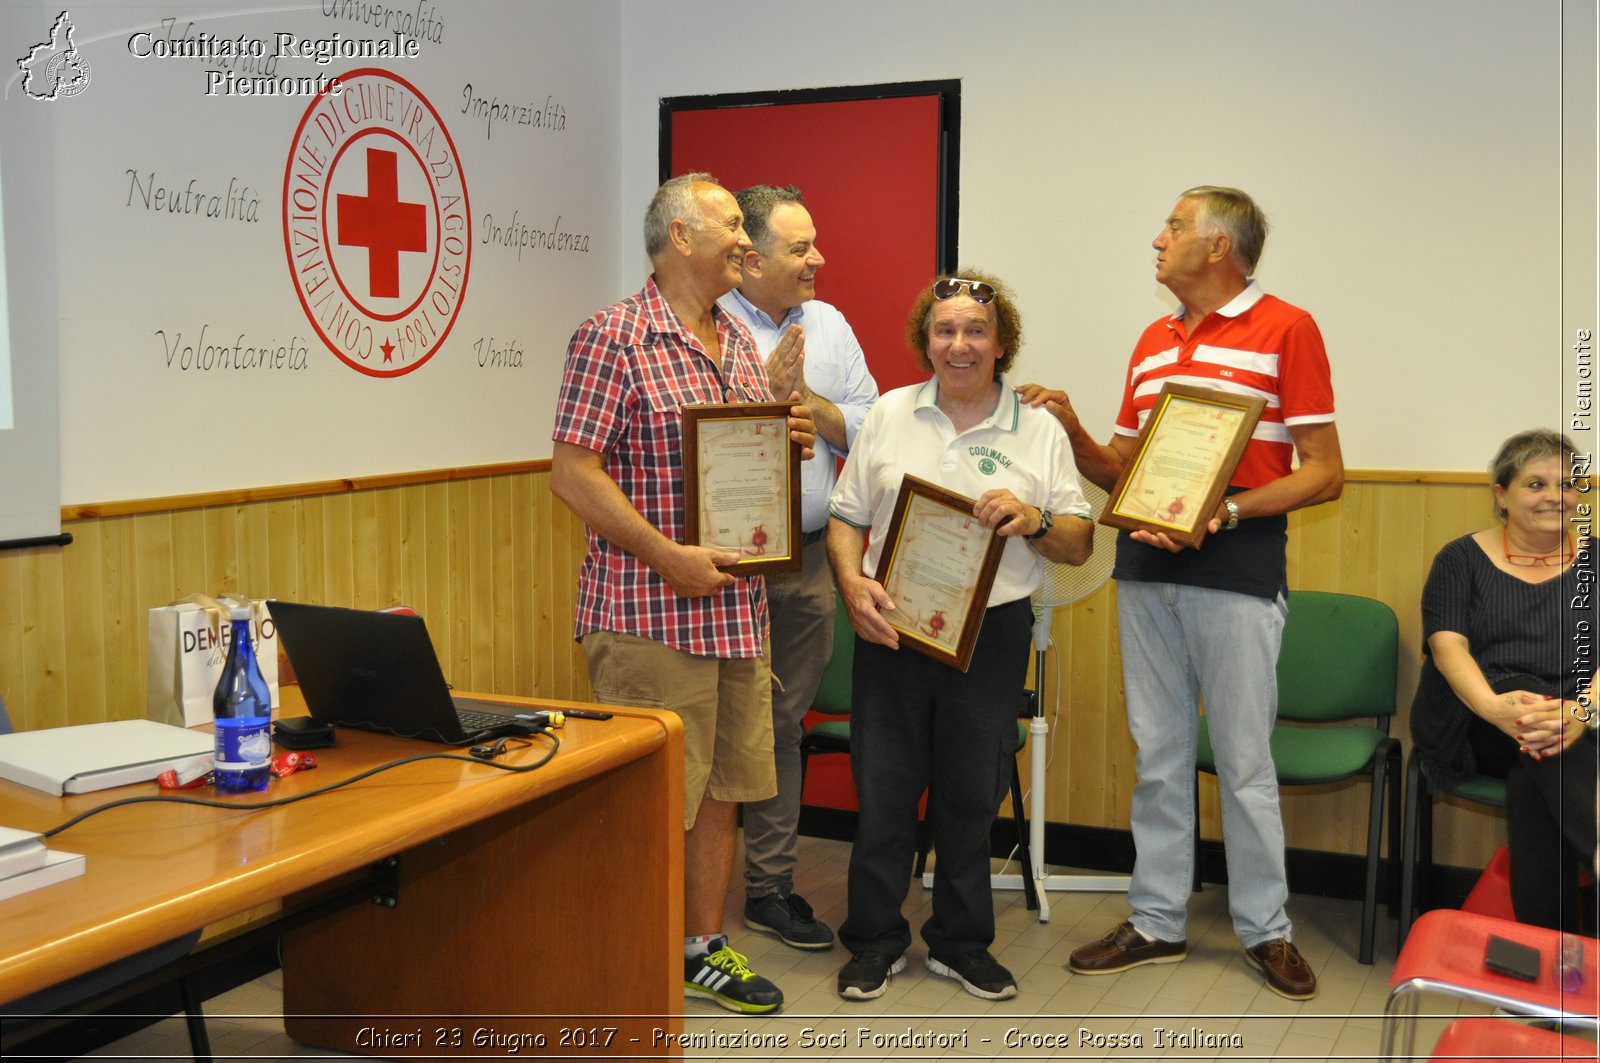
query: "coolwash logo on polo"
376, 223
990, 460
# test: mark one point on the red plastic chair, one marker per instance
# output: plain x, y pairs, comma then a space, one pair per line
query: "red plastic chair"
1444, 954
1491, 894
1505, 1041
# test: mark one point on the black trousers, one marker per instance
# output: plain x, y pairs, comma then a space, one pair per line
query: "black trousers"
1550, 815
918, 724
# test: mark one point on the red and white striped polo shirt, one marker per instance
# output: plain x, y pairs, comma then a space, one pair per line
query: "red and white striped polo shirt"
1255, 345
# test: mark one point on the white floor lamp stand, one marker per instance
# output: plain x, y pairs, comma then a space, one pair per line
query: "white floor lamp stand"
1062, 585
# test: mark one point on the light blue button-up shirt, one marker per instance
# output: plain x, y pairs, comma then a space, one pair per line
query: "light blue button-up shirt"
834, 368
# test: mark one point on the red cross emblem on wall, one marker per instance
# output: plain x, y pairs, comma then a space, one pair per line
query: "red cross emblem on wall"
382, 224
376, 223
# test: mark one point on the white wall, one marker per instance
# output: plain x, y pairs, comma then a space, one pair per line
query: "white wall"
1409, 156
139, 284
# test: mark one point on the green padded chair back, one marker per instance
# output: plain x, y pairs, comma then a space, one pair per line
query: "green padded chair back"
833, 694
1339, 656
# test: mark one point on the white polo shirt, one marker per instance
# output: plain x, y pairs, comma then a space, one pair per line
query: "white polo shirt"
1017, 447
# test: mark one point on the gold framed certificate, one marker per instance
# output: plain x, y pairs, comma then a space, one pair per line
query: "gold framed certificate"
937, 566
741, 484
1186, 455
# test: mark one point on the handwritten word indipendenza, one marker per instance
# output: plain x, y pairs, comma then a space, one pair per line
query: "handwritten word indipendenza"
517, 234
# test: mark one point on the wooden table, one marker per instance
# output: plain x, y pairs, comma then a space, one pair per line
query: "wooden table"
544, 904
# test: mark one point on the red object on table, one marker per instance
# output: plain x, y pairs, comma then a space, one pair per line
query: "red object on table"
1444, 953
1491, 894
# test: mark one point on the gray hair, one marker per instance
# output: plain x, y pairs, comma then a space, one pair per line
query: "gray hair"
1235, 214
1520, 449
758, 202
673, 200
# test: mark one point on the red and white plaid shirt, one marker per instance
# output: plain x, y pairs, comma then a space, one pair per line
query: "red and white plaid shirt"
630, 370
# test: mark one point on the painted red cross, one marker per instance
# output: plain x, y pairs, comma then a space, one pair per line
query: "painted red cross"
382, 224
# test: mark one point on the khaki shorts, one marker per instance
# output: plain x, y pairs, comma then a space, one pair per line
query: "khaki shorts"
725, 704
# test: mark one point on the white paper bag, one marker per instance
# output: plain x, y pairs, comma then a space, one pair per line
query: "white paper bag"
188, 644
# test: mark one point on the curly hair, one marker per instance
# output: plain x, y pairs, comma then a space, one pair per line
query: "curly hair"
1007, 319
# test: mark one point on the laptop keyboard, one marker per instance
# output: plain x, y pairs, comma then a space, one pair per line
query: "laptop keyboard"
473, 720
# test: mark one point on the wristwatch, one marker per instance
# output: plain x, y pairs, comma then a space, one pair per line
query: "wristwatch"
1046, 522
1233, 513
1583, 711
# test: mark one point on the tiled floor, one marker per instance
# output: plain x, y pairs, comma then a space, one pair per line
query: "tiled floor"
1211, 1006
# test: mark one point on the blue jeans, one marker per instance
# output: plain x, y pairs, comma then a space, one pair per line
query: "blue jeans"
1179, 643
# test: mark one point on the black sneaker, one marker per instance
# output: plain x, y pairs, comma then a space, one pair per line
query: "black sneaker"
788, 916
725, 976
866, 976
979, 974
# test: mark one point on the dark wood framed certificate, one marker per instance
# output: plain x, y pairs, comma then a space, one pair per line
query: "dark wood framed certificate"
1190, 445
937, 566
741, 484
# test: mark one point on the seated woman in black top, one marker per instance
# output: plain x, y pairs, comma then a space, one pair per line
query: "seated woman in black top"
1508, 614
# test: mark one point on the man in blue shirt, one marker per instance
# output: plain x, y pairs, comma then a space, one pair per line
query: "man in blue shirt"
809, 347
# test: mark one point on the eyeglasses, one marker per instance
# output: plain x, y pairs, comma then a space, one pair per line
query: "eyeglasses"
950, 287
1558, 559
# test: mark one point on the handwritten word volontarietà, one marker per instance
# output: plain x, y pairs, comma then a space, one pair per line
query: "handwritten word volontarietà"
244, 353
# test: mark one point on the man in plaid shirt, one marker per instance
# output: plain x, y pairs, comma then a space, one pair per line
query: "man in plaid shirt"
661, 624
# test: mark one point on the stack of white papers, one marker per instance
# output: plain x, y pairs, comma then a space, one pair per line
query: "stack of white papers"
94, 756
26, 864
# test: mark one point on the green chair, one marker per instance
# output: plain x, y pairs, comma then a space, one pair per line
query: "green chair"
1337, 666
1416, 847
833, 736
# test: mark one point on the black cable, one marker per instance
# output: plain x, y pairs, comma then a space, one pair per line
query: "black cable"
274, 803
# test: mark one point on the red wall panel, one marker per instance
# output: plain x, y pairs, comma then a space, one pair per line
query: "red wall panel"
869, 170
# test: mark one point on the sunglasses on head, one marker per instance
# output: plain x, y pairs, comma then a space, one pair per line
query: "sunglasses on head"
950, 287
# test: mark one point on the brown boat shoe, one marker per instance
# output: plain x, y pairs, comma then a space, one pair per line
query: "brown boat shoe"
1286, 971
1124, 948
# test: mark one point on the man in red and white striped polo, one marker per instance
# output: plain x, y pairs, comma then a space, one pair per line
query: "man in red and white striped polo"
1208, 621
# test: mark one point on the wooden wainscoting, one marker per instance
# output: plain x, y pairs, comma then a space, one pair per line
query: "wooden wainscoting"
1378, 540
491, 559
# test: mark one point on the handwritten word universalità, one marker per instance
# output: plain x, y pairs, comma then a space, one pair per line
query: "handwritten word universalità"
203, 356
421, 21
238, 202
552, 117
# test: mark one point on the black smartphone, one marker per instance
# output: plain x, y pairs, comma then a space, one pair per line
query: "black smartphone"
1510, 958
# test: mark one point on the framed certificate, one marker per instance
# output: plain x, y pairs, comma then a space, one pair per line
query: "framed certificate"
1191, 444
741, 484
937, 566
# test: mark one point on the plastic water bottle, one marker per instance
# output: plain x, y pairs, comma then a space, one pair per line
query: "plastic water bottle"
242, 706
1569, 963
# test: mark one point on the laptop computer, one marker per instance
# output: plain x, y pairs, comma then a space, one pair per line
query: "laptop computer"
378, 672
